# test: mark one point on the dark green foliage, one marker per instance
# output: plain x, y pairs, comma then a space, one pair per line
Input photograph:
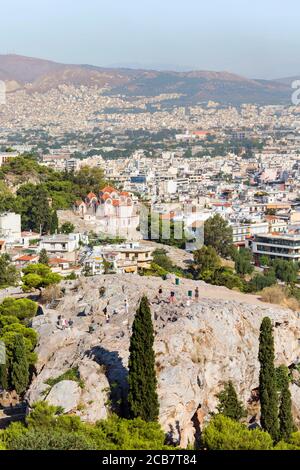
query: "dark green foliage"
44, 416
67, 228
120, 434
267, 380
53, 227
226, 277
39, 212
142, 396
207, 267
71, 277
7, 199
3, 377
162, 265
292, 444
161, 259
19, 366
286, 271
259, 282
87, 179
229, 404
19, 341
37, 276
243, 259
219, 235
9, 275
264, 260
281, 373
206, 262
71, 374
23, 309
165, 232
286, 424
38, 203
222, 433
47, 429
44, 258
49, 439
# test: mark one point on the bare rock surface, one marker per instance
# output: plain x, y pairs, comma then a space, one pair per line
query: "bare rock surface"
65, 394
198, 346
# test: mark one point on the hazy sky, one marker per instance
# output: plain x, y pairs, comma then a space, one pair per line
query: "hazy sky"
255, 38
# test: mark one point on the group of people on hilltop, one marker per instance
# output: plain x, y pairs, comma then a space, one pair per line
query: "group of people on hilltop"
172, 297
115, 312
63, 323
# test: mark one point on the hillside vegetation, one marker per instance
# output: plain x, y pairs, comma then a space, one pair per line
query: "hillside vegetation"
41, 191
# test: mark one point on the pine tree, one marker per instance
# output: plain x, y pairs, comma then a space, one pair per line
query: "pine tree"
44, 259
40, 213
3, 377
142, 396
53, 225
19, 366
229, 404
286, 425
267, 380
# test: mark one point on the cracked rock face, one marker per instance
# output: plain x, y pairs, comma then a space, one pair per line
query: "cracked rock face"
199, 346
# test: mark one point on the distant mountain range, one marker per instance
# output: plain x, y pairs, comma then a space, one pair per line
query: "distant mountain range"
38, 75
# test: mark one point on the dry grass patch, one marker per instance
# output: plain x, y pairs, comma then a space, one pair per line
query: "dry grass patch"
278, 295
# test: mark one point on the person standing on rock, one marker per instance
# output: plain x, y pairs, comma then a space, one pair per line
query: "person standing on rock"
158, 297
126, 305
197, 294
172, 298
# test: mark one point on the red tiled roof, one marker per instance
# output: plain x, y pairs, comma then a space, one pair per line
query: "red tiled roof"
91, 196
27, 258
58, 261
222, 204
108, 189
200, 133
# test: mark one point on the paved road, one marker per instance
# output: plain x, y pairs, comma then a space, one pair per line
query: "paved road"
12, 414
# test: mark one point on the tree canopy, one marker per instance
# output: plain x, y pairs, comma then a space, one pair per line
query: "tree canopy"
218, 234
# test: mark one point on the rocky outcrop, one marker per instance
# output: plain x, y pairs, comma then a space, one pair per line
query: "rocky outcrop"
198, 347
65, 394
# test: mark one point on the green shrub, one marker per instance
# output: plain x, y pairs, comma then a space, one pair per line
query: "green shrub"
45, 429
72, 374
223, 433
21, 308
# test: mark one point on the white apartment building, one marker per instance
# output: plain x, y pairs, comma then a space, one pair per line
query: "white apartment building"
61, 246
282, 246
10, 227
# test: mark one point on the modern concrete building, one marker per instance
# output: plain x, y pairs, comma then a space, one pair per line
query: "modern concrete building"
61, 246
283, 246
